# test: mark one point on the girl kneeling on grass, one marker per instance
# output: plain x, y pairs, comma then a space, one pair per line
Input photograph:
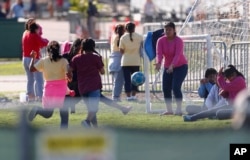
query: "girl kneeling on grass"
54, 68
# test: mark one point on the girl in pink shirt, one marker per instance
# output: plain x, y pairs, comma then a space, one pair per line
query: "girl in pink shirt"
170, 48
231, 81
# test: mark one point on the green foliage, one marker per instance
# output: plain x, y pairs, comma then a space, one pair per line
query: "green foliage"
82, 5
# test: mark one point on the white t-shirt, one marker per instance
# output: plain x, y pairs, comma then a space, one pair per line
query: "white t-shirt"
214, 99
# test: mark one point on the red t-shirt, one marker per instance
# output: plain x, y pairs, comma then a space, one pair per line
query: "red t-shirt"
59, 3
87, 67
32, 41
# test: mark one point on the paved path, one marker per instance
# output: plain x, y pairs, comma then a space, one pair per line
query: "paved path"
13, 83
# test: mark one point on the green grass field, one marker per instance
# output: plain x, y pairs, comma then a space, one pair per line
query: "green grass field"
107, 116
11, 67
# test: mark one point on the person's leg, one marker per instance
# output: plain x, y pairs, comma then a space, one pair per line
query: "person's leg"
94, 121
223, 114
167, 91
113, 104
204, 114
38, 84
30, 79
64, 114
193, 109
127, 81
134, 88
91, 100
92, 27
179, 74
118, 80
70, 103
46, 113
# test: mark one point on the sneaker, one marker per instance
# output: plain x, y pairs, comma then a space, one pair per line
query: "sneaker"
33, 113
187, 118
86, 124
125, 110
130, 99
134, 98
178, 113
116, 99
166, 113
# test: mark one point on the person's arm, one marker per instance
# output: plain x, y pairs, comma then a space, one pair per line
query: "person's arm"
121, 50
102, 71
33, 54
208, 86
69, 74
202, 91
159, 54
179, 50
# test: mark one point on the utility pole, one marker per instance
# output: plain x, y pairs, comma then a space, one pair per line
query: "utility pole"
115, 6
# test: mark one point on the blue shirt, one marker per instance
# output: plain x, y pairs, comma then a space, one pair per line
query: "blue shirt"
17, 11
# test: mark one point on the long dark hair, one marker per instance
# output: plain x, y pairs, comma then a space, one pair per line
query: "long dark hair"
75, 48
230, 70
130, 28
88, 45
119, 30
53, 49
28, 23
33, 27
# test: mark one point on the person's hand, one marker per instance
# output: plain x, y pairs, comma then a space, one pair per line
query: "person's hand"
33, 54
69, 76
220, 71
157, 66
204, 80
170, 69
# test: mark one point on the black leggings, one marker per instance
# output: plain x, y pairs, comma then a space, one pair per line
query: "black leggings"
47, 113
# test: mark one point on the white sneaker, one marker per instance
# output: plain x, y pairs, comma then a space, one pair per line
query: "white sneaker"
130, 99
134, 97
125, 110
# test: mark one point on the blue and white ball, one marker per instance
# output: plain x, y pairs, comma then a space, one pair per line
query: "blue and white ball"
137, 78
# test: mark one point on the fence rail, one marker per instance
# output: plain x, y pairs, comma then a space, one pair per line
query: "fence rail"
196, 52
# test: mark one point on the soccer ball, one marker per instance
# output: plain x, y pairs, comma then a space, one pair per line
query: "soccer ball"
137, 78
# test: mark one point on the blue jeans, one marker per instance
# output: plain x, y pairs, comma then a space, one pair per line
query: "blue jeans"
127, 72
91, 99
34, 79
118, 81
173, 82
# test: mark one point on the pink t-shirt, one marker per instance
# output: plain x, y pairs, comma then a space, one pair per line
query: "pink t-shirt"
233, 87
171, 51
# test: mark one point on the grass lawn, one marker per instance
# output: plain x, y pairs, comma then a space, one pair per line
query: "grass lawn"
137, 118
107, 116
11, 67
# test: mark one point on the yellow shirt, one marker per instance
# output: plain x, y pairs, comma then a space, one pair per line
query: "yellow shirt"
131, 55
52, 70
114, 40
